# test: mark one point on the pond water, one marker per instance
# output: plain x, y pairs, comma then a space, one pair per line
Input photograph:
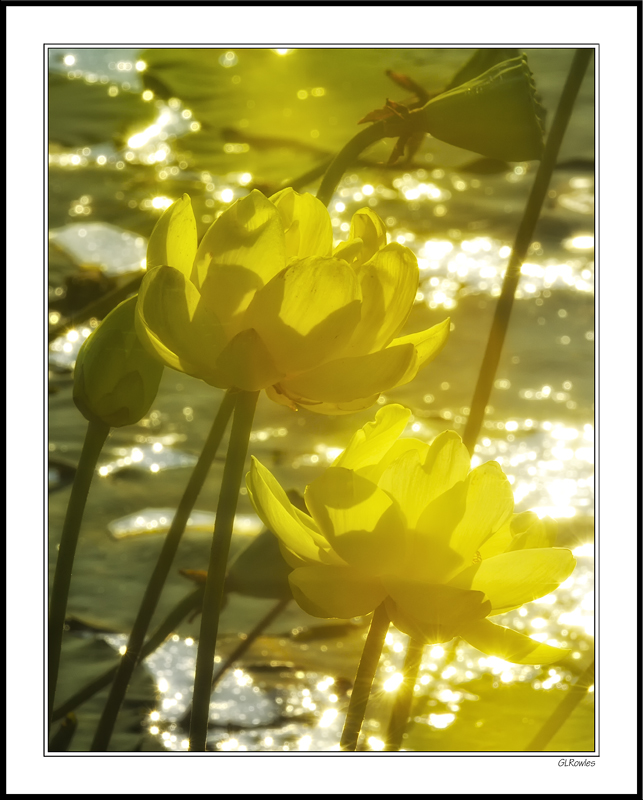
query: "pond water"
130, 131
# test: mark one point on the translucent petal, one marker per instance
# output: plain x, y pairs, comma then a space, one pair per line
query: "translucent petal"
389, 284
499, 542
370, 229
306, 223
428, 344
511, 579
294, 401
432, 613
342, 592
398, 449
240, 252
371, 442
486, 502
349, 251
280, 516
408, 483
494, 640
306, 313
177, 324
346, 379
173, 241
446, 463
430, 555
361, 522
245, 363
538, 533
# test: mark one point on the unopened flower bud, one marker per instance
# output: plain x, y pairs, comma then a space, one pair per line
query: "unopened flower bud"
497, 114
115, 379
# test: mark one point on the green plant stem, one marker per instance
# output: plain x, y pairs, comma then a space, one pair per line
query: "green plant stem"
404, 697
346, 157
168, 626
95, 437
364, 678
563, 711
226, 508
242, 648
523, 239
159, 576
60, 741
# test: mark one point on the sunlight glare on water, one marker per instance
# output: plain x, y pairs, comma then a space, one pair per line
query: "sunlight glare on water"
548, 455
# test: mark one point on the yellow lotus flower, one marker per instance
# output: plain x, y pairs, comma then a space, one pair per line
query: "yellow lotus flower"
398, 521
115, 379
265, 303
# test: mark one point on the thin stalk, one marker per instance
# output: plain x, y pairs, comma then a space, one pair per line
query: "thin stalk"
159, 576
563, 711
168, 626
226, 508
60, 741
404, 697
94, 440
364, 678
242, 648
346, 157
523, 239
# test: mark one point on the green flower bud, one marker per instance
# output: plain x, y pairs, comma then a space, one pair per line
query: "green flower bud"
497, 114
115, 379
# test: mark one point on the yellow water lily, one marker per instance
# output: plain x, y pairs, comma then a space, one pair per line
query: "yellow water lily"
396, 520
265, 302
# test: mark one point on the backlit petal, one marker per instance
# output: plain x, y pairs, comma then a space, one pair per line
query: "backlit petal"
347, 379
245, 363
241, 251
371, 442
294, 401
370, 229
173, 241
389, 284
342, 592
361, 522
306, 313
306, 223
408, 483
488, 503
494, 640
536, 533
421, 478
432, 613
398, 449
511, 579
280, 516
522, 531
499, 542
446, 463
178, 326
428, 344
